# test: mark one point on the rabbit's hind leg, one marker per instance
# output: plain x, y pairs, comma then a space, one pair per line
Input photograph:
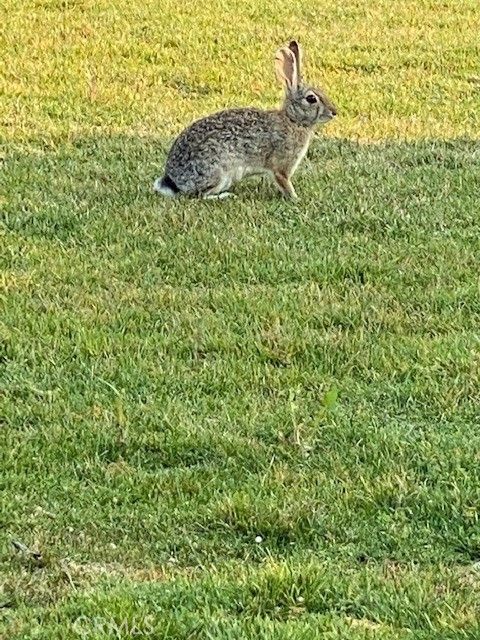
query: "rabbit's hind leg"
219, 191
219, 196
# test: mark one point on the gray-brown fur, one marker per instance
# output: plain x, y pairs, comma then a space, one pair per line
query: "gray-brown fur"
215, 152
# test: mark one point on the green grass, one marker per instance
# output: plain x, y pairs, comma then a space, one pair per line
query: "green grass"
180, 377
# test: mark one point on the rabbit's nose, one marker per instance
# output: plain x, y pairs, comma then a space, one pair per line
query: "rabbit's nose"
333, 111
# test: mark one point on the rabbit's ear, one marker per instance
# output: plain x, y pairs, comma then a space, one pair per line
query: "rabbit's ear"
286, 68
297, 52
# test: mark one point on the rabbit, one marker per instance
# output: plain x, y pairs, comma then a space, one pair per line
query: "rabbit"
217, 151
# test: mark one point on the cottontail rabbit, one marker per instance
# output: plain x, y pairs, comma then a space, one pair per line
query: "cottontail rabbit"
215, 152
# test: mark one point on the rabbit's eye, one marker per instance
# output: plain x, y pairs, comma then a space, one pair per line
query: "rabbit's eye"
311, 98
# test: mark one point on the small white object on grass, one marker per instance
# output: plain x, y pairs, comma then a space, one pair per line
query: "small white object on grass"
258, 539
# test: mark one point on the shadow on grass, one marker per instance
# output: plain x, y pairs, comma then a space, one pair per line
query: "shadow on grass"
57, 190
121, 373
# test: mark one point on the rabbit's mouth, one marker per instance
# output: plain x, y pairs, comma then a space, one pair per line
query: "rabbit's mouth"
327, 115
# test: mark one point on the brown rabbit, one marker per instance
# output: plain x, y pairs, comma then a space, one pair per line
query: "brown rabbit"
219, 150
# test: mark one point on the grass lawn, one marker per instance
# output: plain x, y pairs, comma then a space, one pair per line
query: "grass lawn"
248, 419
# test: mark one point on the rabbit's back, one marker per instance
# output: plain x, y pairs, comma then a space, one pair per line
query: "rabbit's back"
233, 143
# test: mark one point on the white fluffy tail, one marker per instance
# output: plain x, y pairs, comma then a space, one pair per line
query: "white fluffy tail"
166, 187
